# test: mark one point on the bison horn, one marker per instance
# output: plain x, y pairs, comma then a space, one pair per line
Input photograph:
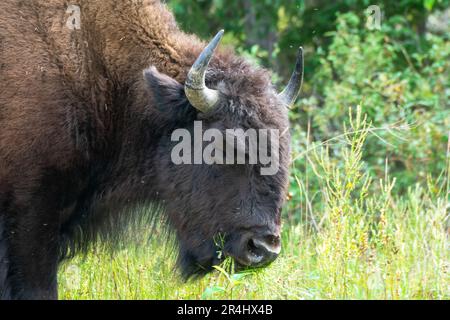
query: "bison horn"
291, 92
199, 95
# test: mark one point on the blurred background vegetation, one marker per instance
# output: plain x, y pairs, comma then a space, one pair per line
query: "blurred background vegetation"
398, 73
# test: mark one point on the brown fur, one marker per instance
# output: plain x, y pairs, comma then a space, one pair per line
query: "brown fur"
82, 134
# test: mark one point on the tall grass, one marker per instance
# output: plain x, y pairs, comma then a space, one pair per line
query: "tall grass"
365, 243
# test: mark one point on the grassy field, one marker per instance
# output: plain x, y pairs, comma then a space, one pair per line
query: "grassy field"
365, 243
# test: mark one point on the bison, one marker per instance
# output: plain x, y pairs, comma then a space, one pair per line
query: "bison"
89, 96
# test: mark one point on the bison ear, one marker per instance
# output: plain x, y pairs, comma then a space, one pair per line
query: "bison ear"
165, 91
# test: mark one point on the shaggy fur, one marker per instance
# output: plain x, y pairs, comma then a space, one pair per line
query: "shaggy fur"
85, 137
4, 285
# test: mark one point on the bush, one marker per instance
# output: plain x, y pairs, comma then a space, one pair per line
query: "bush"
405, 94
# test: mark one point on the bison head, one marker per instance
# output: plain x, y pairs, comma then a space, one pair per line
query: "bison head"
223, 208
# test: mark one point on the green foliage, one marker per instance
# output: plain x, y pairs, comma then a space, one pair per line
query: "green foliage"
400, 91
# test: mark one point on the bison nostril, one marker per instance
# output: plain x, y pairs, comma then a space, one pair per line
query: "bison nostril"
262, 251
273, 240
254, 253
270, 244
251, 245
253, 248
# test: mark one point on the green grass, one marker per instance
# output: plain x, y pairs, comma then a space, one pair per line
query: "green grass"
364, 242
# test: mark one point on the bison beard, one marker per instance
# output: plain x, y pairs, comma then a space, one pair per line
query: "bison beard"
85, 139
